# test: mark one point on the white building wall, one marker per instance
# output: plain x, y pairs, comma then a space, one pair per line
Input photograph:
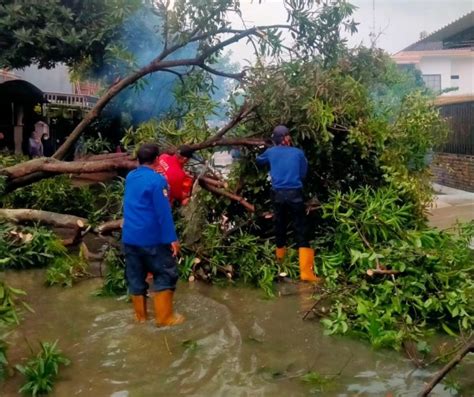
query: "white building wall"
464, 68
451, 66
440, 66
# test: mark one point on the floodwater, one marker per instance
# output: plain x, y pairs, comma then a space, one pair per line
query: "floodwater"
234, 343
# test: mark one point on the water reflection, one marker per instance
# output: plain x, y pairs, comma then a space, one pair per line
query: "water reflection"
235, 343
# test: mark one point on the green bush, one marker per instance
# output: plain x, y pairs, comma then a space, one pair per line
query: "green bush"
96, 202
42, 370
28, 247
432, 285
55, 194
243, 256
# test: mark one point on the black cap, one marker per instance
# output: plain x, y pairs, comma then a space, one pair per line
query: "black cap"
186, 151
279, 133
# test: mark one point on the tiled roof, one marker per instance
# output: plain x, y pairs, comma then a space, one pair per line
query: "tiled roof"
434, 41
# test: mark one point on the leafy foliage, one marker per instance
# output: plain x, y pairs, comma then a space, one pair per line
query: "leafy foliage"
54, 31
42, 370
433, 285
9, 300
114, 280
9, 316
58, 194
28, 247
240, 255
55, 194
66, 270
97, 145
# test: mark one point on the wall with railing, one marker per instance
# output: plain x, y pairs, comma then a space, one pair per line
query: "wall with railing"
82, 101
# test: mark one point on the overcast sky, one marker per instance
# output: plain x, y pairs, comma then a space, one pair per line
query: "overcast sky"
399, 21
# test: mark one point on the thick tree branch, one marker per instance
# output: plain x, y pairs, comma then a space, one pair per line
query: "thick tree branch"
236, 76
24, 174
468, 348
53, 166
249, 207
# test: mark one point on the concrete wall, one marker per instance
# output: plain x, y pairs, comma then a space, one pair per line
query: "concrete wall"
454, 170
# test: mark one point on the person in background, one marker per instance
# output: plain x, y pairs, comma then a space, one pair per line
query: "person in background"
288, 169
171, 166
149, 239
35, 145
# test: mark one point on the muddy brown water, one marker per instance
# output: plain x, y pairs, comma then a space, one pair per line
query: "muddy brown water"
234, 343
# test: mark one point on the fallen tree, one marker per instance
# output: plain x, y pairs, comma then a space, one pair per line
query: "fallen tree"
366, 129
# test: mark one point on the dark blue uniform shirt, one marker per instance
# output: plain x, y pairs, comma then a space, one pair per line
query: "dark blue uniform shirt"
146, 210
288, 166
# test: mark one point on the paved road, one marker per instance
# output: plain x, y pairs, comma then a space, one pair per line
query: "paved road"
451, 205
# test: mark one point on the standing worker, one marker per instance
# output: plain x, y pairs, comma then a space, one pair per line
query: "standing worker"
288, 168
171, 166
149, 239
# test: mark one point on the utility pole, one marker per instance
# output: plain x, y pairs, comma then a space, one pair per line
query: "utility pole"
372, 34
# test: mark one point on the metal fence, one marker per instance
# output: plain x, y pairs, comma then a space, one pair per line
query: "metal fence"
461, 121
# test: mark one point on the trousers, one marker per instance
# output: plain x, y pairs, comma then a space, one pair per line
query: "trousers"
157, 260
289, 205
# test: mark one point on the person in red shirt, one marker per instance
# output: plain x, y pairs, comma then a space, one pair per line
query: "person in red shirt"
171, 166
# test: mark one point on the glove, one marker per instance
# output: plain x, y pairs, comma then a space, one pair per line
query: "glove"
175, 248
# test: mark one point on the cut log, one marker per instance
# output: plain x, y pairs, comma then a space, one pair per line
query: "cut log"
45, 217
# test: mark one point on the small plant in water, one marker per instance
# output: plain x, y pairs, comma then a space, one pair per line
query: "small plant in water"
41, 371
321, 382
114, 281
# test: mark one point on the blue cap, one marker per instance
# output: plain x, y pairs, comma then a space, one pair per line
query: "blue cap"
279, 132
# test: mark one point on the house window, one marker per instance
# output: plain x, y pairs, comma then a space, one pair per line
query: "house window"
432, 81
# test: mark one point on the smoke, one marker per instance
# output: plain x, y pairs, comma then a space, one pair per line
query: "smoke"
152, 97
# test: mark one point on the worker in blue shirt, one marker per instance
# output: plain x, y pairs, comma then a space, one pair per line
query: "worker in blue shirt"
149, 239
288, 169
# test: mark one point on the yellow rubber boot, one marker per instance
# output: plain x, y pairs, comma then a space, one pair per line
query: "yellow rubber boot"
280, 254
139, 306
164, 309
306, 256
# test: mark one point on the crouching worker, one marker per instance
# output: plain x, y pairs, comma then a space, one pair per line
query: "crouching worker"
288, 169
171, 166
149, 239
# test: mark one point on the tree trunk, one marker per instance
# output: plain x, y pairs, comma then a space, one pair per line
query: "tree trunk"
31, 171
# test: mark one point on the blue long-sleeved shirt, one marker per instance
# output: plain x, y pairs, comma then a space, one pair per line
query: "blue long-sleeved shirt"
146, 210
288, 166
